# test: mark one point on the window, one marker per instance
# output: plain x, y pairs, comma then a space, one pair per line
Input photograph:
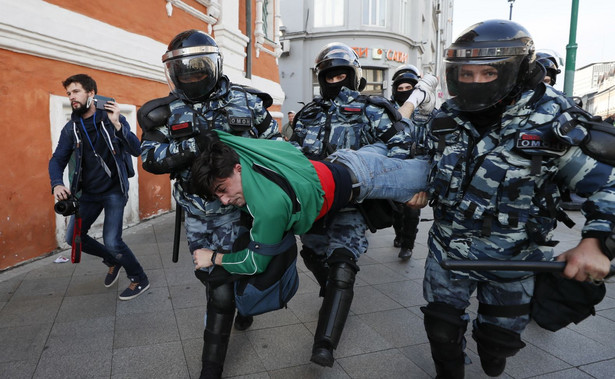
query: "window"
403, 16
375, 80
328, 13
268, 19
374, 12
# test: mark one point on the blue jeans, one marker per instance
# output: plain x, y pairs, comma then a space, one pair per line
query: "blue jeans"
381, 177
114, 251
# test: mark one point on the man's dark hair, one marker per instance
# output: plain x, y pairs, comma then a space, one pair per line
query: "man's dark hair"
216, 161
86, 82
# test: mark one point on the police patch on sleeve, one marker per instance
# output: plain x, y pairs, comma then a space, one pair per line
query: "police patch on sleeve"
534, 142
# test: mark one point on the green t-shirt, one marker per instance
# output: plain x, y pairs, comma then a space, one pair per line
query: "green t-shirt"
268, 204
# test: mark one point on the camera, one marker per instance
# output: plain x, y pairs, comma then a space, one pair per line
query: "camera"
67, 207
100, 101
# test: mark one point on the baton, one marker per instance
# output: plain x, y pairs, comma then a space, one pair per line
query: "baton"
478, 265
177, 234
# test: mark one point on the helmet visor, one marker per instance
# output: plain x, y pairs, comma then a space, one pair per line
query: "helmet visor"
192, 77
477, 84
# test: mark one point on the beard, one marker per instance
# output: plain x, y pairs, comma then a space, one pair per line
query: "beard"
80, 109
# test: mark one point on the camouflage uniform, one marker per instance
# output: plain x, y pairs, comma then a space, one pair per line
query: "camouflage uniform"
349, 122
233, 109
495, 197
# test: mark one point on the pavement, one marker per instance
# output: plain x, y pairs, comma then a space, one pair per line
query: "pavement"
57, 320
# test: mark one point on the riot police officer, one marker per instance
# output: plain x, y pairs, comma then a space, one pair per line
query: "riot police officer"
494, 195
549, 62
173, 131
341, 118
406, 219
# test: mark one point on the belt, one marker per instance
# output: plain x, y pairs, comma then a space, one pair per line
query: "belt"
356, 189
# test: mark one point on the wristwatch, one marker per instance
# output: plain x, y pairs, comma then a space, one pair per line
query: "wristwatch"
213, 257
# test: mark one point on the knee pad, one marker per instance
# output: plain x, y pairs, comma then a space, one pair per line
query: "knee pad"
342, 269
221, 299
443, 323
312, 261
496, 341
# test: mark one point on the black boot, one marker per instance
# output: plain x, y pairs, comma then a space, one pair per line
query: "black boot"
333, 313
215, 343
243, 322
317, 265
404, 254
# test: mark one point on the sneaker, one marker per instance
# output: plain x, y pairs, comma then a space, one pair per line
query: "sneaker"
112, 275
134, 289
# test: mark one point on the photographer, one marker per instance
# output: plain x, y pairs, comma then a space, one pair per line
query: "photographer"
103, 144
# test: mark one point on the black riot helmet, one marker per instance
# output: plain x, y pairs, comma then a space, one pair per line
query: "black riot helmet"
193, 65
550, 64
406, 73
503, 53
337, 58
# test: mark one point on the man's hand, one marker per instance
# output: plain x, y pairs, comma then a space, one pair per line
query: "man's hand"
202, 258
418, 201
422, 98
60, 192
427, 84
586, 261
113, 110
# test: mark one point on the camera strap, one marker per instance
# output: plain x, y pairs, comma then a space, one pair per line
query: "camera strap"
75, 254
100, 160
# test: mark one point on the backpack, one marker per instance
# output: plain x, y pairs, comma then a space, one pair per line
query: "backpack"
272, 289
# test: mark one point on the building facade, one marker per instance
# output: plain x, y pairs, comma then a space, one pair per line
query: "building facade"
120, 44
595, 85
384, 33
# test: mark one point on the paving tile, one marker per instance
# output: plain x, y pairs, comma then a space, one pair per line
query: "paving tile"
17, 369
399, 327
378, 274
22, 343
155, 299
572, 373
161, 360
368, 299
139, 329
89, 285
84, 365
42, 287
568, 345
309, 371
382, 364
274, 319
406, 293
188, 295
305, 306
87, 307
290, 345
242, 358
81, 336
601, 370
29, 311
190, 322
56, 270
8, 287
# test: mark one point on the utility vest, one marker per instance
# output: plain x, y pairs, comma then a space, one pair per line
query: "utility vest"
231, 113
329, 126
492, 195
